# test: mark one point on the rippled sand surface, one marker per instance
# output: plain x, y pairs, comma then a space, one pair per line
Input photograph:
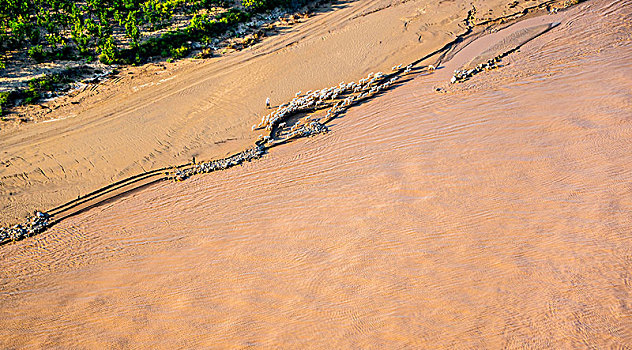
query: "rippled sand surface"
158, 118
495, 214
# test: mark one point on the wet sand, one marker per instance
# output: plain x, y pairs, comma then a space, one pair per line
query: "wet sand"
205, 109
494, 214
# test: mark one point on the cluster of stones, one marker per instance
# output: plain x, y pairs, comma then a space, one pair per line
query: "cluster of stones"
462, 75
221, 164
32, 226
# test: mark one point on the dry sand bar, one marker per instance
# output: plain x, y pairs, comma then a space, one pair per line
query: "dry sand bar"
489, 213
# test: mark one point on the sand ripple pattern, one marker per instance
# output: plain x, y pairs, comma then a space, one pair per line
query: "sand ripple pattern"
338, 98
494, 215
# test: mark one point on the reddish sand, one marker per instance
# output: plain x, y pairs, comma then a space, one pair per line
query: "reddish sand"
494, 214
156, 118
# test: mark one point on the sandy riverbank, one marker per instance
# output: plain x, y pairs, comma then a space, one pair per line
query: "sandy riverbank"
494, 213
160, 117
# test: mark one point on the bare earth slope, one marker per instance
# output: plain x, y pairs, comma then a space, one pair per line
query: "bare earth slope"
493, 215
205, 109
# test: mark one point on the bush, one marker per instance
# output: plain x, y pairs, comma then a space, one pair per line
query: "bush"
158, 12
37, 53
65, 29
180, 52
108, 51
31, 96
4, 100
131, 28
255, 5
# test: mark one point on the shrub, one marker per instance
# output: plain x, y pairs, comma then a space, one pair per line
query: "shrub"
180, 52
37, 53
108, 51
255, 5
4, 99
65, 29
31, 96
131, 27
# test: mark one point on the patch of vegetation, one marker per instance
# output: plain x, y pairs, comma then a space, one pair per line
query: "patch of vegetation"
65, 29
4, 99
39, 88
263, 5
113, 31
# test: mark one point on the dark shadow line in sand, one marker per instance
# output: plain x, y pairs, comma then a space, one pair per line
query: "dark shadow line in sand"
115, 196
86, 204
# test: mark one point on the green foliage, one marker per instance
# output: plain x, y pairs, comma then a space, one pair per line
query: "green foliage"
31, 96
37, 88
108, 51
233, 16
255, 5
131, 27
180, 52
65, 29
199, 22
37, 53
263, 5
159, 12
4, 99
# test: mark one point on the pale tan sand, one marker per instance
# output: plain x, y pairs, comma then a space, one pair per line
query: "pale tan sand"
509, 43
205, 109
495, 215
